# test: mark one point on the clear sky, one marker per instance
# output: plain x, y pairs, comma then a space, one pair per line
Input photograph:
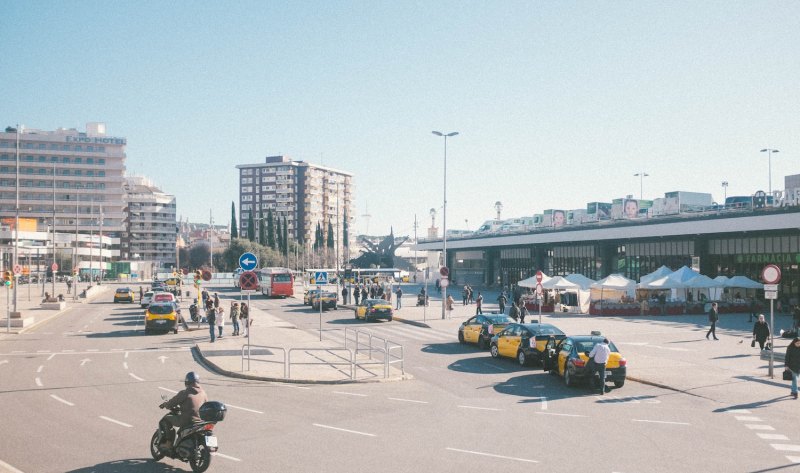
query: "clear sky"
557, 103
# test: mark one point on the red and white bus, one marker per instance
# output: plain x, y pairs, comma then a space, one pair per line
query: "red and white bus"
276, 282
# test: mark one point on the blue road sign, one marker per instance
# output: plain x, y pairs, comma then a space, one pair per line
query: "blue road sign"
321, 277
248, 261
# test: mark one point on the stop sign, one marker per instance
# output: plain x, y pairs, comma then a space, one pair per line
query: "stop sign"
538, 276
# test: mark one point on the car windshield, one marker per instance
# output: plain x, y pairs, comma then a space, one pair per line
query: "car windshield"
161, 309
588, 345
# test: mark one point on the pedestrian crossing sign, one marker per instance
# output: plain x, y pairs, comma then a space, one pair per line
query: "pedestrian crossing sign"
321, 277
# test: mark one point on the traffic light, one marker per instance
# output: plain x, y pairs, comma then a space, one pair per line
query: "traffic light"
8, 278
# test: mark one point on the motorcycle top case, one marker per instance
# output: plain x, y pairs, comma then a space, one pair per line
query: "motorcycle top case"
213, 411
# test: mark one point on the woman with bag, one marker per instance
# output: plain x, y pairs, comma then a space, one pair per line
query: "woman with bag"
793, 363
760, 332
235, 317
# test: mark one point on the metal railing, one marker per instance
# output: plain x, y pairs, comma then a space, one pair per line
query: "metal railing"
285, 362
350, 361
386, 347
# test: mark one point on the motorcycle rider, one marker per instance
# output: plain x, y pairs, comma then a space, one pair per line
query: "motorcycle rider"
189, 400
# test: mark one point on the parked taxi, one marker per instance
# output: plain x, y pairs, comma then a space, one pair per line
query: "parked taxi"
162, 317
527, 343
570, 356
308, 294
481, 328
372, 309
123, 294
327, 299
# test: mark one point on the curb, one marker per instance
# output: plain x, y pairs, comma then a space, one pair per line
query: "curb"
197, 353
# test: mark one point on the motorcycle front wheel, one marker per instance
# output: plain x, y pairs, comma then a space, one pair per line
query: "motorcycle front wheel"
201, 459
154, 451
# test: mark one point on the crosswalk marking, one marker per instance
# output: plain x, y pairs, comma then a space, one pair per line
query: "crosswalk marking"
785, 447
772, 436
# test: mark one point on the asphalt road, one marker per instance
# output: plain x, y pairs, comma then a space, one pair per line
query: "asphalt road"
81, 395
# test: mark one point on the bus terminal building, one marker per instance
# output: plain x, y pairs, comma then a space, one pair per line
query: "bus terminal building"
722, 242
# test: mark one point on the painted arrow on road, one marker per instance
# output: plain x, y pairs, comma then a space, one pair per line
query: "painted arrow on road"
2, 362
84, 361
162, 358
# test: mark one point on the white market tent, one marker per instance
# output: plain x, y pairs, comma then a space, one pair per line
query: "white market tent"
743, 282
684, 275
663, 283
531, 281
657, 274
561, 283
703, 283
584, 291
613, 287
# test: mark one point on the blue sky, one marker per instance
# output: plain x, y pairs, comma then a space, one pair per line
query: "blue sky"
557, 103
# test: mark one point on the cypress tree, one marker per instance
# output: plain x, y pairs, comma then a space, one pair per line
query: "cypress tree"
234, 227
270, 230
251, 228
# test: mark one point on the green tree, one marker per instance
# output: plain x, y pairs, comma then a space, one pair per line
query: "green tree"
330, 234
285, 239
234, 227
345, 231
270, 229
262, 232
199, 254
251, 228
278, 235
317, 238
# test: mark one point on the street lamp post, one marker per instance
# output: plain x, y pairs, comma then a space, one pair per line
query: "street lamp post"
724, 192
769, 152
444, 217
641, 175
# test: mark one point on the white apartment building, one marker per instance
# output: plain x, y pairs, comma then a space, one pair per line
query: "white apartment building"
151, 233
306, 194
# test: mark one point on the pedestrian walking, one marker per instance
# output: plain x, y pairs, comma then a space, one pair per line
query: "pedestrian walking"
345, 293
399, 294
220, 320
450, 302
204, 296
470, 294
513, 312
364, 293
209, 306
141, 293
713, 316
793, 363
244, 316
69, 286
598, 358
356, 293
212, 326
523, 311
235, 317
216, 300
760, 331
501, 301
479, 304
464, 295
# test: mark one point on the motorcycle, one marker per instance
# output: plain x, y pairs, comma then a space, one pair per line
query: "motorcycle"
193, 444
193, 312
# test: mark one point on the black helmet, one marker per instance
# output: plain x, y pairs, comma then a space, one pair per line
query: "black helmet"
191, 378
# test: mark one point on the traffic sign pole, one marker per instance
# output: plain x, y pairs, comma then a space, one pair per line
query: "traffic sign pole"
771, 275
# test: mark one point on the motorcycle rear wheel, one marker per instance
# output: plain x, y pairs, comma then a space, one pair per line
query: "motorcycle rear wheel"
154, 451
201, 460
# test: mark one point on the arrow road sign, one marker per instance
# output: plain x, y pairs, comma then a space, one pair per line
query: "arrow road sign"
248, 261
321, 277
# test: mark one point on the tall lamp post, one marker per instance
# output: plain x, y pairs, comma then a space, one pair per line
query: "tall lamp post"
724, 192
444, 217
641, 176
769, 152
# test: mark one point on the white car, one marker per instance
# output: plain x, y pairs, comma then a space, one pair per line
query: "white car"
147, 298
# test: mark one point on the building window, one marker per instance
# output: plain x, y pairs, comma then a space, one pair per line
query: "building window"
101, 161
78, 160
101, 173
65, 160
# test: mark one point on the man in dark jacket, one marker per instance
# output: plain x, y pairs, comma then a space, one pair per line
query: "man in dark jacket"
211, 318
793, 362
713, 316
189, 400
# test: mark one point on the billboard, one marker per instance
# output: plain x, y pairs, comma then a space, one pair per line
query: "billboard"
598, 210
25, 224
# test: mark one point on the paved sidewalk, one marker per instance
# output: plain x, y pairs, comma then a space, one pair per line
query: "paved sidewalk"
29, 299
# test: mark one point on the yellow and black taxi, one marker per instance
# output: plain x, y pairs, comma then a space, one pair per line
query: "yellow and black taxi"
373, 309
481, 328
527, 343
161, 317
308, 294
327, 299
123, 294
570, 357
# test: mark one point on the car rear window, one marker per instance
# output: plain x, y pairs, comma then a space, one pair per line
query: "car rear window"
161, 309
500, 319
122, 291
589, 345
163, 297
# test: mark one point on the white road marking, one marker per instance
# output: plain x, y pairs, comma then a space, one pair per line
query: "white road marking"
125, 364
9, 468
117, 349
2, 362
115, 421
135, 377
42, 351
287, 385
243, 408
61, 400
84, 361
349, 394
759, 427
544, 403
407, 400
789, 457
660, 422
162, 358
168, 390
126, 354
772, 436
557, 414
92, 349
344, 430
68, 351
39, 370
785, 447
480, 408
227, 457
748, 418
39, 382
492, 455
494, 367
738, 411
51, 357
